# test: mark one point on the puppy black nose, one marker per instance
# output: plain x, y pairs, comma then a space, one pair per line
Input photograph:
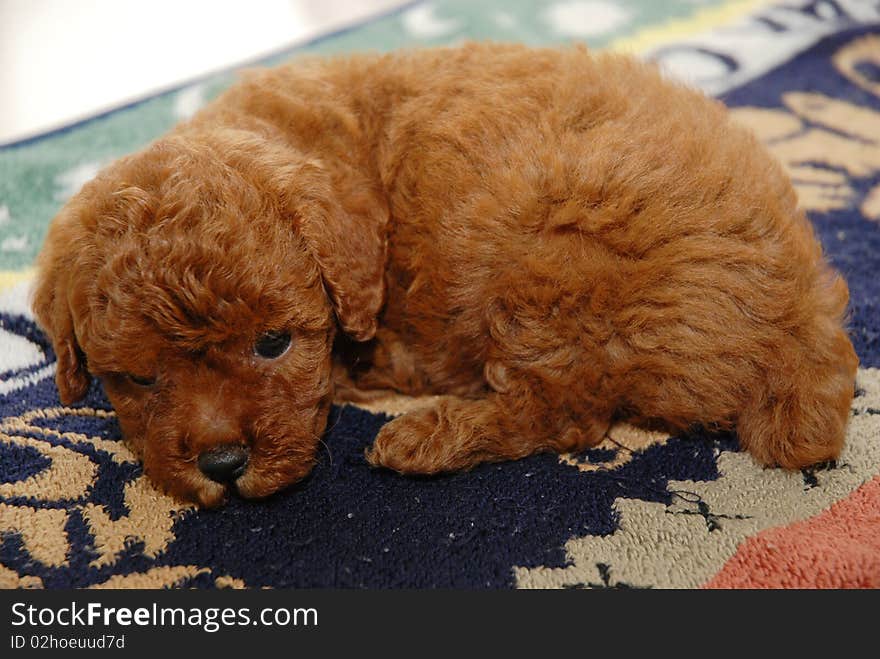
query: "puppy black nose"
224, 464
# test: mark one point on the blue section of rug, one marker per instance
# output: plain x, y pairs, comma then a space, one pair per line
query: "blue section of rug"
348, 525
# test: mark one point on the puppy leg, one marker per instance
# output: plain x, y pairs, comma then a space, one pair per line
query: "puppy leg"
800, 419
800, 415
544, 388
347, 390
459, 433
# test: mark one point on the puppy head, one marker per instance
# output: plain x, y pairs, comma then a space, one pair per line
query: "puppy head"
203, 281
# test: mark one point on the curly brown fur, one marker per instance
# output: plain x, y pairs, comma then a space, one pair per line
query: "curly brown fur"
551, 239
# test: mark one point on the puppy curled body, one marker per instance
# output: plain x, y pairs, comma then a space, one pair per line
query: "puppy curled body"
548, 239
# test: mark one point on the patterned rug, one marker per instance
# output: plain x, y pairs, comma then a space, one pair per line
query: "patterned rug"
641, 510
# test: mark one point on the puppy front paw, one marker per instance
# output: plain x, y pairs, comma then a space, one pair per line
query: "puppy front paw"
411, 444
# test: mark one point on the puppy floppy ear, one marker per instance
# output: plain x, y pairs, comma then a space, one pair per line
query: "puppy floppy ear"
52, 309
339, 213
345, 230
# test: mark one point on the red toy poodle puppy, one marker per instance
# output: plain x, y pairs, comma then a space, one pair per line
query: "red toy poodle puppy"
549, 239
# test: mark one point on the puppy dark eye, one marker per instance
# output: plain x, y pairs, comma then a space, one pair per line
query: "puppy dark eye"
141, 381
272, 345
